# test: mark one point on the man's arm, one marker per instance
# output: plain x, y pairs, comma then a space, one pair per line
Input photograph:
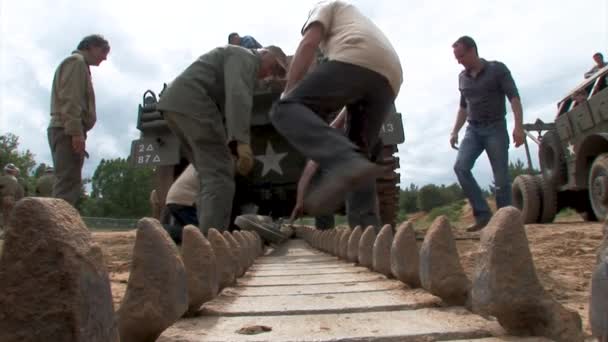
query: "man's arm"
461, 118
239, 82
305, 55
518, 114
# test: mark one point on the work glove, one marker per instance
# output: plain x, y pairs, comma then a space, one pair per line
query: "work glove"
244, 161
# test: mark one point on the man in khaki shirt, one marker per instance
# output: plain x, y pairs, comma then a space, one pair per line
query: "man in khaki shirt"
73, 114
208, 107
362, 77
10, 191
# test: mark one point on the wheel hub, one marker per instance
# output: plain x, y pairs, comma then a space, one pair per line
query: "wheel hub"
600, 189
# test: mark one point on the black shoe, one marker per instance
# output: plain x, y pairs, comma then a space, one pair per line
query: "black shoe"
477, 226
329, 195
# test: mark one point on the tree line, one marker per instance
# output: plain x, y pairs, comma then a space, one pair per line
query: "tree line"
120, 190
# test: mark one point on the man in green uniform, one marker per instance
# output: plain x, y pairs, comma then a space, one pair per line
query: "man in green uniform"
73, 114
10, 191
208, 107
44, 184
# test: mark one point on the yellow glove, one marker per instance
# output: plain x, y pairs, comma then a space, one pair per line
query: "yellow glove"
244, 162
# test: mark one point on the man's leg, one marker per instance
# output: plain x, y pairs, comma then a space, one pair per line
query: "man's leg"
363, 127
205, 136
469, 150
68, 166
497, 148
299, 118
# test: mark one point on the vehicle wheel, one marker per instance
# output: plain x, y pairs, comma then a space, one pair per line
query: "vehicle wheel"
552, 159
527, 197
548, 193
387, 187
598, 186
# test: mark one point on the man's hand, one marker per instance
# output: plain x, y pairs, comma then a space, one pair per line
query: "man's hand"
518, 136
298, 210
454, 140
78, 144
244, 162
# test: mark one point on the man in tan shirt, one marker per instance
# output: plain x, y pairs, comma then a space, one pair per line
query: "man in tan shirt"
362, 77
73, 114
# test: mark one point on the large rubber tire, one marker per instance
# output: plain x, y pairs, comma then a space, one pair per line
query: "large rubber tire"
552, 159
548, 193
527, 197
387, 186
598, 187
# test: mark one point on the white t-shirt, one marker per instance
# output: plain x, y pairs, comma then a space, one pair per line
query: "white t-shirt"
185, 188
351, 37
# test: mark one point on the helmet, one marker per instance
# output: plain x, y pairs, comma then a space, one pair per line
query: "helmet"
11, 168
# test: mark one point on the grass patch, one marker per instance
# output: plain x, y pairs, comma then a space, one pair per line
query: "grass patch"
452, 211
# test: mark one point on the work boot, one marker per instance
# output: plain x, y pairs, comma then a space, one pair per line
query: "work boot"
342, 178
263, 225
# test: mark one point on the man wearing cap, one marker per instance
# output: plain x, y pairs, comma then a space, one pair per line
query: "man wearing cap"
73, 114
362, 77
45, 184
208, 107
247, 42
10, 191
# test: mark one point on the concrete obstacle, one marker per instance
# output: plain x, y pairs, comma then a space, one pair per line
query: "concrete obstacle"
201, 273
405, 260
247, 254
337, 235
366, 247
226, 266
353, 244
236, 253
157, 291
505, 284
343, 253
382, 251
54, 285
440, 270
598, 301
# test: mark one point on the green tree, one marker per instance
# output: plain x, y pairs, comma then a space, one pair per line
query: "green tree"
119, 190
24, 160
429, 197
408, 199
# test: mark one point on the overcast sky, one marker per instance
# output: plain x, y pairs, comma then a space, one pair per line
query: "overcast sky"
547, 45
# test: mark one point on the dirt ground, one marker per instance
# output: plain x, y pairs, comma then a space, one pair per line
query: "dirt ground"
564, 255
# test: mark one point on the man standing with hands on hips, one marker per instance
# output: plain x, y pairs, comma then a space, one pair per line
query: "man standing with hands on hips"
483, 86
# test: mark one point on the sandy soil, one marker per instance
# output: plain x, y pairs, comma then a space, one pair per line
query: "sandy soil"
564, 255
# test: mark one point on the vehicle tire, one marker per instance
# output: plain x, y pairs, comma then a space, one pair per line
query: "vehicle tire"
548, 200
598, 186
527, 197
552, 159
387, 186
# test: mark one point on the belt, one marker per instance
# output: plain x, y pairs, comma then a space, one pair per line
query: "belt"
484, 123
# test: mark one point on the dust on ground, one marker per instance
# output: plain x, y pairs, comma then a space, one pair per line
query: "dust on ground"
564, 255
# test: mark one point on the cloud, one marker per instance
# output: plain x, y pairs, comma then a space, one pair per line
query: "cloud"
546, 47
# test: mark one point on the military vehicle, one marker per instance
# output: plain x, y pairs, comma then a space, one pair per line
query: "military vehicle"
573, 156
271, 187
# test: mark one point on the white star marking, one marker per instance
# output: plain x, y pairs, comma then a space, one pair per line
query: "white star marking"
571, 149
271, 160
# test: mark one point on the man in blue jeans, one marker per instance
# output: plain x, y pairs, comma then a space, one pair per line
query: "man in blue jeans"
483, 86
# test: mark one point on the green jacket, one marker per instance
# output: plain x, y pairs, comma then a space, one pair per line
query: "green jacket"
44, 185
9, 186
225, 75
72, 96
